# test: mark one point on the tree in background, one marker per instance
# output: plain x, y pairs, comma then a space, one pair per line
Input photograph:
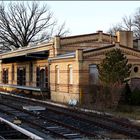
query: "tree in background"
113, 71
128, 23
21, 24
136, 22
112, 30
114, 68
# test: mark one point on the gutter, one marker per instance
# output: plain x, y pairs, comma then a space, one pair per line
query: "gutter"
63, 57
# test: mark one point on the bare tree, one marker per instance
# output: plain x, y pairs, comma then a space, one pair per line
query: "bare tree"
127, 23
112, 30
136, 23
21, 24
61, 31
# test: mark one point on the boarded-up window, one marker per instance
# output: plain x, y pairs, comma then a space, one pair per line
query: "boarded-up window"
93, 74
21, 76
5, 76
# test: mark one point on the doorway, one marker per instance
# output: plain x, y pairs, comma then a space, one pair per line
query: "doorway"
42, 77
21, 76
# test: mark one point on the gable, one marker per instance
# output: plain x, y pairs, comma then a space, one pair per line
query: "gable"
98, 54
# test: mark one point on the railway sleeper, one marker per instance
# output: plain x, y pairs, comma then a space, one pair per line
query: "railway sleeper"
65, 132
60, 130
51, 129
73, 136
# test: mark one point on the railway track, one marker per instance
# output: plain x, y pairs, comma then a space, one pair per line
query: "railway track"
98, 126
39, 123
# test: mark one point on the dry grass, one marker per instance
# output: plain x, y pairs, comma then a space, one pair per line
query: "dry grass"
123, 111
127, 111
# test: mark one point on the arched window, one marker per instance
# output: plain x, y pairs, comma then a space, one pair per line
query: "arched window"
41, 77
70, 74
5, 76
21, 76
57, 75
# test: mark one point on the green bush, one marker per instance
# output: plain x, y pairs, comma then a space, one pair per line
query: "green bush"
126, 95
135, 97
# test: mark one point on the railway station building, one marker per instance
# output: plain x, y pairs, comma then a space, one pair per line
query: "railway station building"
65, 66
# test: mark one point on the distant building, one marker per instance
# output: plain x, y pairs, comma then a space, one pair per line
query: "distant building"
66, 66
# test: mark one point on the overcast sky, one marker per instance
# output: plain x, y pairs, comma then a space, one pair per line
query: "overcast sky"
90, 16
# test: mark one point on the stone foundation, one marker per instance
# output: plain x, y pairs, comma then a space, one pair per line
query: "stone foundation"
63, 97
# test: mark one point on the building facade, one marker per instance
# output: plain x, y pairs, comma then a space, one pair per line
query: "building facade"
66, 66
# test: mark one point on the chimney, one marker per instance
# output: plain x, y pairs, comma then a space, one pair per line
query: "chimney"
100, 35
125, 38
